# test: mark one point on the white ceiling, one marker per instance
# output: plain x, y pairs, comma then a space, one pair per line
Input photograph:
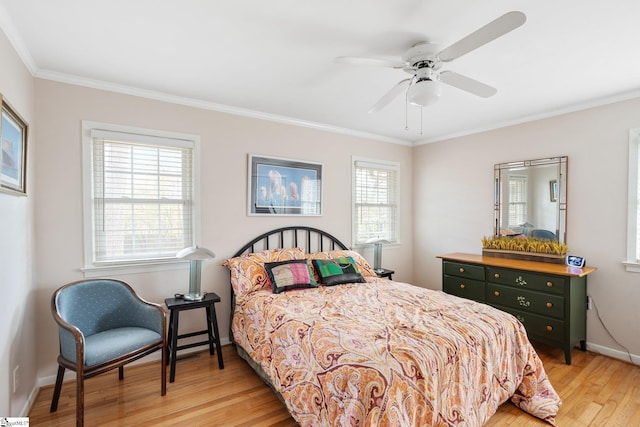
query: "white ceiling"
274, 59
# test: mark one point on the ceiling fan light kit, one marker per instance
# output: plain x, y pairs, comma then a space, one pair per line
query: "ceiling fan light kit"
424, 61
424, 92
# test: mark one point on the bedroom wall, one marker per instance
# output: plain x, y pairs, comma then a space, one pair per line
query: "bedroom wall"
17, 328
458, 174
226, 141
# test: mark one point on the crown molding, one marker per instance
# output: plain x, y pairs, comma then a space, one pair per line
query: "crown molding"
16, 41
598, 102
206, 105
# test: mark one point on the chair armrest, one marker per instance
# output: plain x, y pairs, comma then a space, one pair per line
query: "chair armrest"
71, 339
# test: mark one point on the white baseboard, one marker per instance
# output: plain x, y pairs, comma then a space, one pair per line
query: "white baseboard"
616, 354
29, 402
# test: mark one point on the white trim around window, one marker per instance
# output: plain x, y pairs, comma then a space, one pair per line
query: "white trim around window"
632, 263
146, 177
375, 201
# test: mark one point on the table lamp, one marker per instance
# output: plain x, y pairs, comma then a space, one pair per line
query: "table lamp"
195, 255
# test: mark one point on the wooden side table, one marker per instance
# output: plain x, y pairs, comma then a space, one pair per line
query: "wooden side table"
385, 273
175, 306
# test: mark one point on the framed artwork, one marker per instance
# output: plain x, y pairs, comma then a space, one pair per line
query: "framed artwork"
284, 187
13, 157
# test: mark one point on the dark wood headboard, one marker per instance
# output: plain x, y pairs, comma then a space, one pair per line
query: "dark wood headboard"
309, 238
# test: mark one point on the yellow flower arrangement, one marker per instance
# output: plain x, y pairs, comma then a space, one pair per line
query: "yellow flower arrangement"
525, 244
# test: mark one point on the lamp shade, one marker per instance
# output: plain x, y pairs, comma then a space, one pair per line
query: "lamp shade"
424, 92
195, 253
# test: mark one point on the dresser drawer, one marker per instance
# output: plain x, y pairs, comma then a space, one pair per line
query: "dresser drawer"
540, 327
458, 269
545, 304
463, 287
526, 280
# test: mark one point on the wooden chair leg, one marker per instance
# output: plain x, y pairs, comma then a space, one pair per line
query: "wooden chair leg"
79, 399
121, 372
57, 389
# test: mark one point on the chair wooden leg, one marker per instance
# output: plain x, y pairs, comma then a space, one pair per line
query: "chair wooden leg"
79, 399
57, 389
121, 372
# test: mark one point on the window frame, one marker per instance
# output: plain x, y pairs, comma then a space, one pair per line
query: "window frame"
523, 204
381, 164
95, 269
632, 264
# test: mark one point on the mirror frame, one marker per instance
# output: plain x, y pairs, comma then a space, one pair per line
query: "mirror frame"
559, 189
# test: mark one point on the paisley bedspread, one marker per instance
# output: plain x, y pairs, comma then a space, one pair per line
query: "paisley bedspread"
387, 353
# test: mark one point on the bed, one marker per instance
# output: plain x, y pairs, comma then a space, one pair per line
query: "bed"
373, 352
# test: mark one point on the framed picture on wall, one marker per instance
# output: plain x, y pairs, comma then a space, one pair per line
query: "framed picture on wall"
13, 157
284, 186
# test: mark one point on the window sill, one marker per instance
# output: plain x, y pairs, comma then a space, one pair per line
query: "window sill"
632, 266
143, 267
365, 246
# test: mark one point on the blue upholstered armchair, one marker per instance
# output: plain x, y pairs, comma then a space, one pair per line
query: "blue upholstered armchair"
104, 325
539, 233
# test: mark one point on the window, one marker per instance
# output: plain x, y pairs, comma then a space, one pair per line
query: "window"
375, 201
517, 200
139, 195
633, 215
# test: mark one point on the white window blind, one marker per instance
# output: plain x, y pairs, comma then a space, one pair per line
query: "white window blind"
517, 200
375, 201
142, 197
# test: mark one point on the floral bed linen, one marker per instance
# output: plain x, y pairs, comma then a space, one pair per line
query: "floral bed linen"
391, 354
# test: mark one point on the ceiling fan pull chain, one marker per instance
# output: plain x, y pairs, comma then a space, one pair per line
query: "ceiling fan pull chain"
421, 121
406, 112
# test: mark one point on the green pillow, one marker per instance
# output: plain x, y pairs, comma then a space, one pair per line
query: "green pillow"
337, 271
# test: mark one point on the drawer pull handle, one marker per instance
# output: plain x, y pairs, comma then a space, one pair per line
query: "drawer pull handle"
550, 284
549, 305
462, 286
549, 328
461, 270
497, 275
496, 293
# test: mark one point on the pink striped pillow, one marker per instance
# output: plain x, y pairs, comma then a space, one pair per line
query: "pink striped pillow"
288, 275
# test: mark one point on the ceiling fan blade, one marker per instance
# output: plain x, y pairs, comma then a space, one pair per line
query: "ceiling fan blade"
467, 84
390, 96
376, 62
494, 29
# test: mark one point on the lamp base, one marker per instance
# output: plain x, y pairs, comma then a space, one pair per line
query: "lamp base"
193, 297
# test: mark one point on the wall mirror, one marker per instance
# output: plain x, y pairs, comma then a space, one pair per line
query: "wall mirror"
531, 198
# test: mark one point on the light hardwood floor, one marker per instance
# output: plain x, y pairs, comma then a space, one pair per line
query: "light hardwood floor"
596, 391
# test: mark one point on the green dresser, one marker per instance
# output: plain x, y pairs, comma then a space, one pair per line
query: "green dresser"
549, 299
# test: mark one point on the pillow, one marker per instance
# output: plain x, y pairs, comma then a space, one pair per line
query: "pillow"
248, 273
288, 275
337, 271
363, 266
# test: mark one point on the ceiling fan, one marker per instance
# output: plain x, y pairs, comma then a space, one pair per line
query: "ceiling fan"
424, 61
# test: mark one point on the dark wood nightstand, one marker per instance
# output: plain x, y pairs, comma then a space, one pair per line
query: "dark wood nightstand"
175, 306
385, 273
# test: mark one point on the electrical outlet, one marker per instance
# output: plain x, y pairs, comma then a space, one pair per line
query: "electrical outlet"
16, 378
589, 303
